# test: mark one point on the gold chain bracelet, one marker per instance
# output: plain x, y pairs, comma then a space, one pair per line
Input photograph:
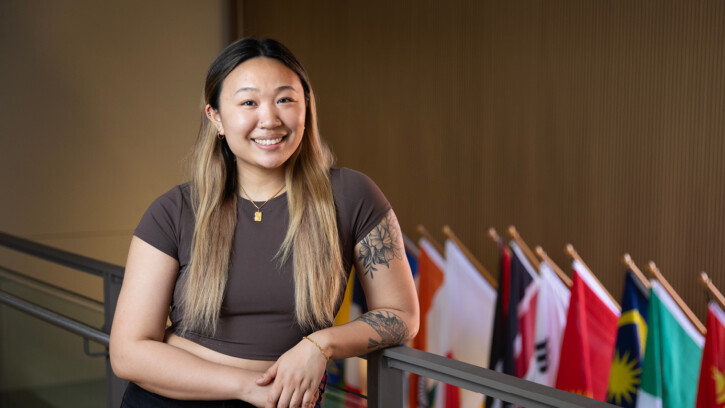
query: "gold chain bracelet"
318, 346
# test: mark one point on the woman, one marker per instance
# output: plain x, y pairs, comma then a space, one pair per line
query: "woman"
248, 260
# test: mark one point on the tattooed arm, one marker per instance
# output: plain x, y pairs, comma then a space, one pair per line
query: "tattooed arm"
384, 273
382, 266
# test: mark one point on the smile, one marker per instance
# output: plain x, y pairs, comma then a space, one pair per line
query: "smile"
268, 142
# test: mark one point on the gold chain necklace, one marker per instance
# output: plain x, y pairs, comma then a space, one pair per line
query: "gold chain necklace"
258, 214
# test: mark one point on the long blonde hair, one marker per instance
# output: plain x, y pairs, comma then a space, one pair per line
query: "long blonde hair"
311, 239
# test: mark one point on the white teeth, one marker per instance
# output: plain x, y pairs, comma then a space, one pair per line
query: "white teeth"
267, 142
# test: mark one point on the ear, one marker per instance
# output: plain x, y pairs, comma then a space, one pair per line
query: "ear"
215, 118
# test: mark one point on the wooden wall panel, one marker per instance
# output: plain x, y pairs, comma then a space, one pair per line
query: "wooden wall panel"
595, 123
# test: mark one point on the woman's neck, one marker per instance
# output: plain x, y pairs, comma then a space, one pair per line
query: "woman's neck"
260, 185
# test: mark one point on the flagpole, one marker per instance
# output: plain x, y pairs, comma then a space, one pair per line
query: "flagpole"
425, 234
491, 280
527, 251
712, 289
627, 259
494, 235
411, 247
655, 272
574, 255
559, 272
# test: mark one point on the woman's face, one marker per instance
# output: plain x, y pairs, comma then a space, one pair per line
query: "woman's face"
261, 114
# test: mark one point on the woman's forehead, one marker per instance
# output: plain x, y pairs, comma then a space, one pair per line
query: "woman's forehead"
261, 74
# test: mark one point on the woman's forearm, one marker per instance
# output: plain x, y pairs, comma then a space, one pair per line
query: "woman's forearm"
373, 330
175, 373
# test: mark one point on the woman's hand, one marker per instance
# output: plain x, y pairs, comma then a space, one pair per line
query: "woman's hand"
256, 394
296, 375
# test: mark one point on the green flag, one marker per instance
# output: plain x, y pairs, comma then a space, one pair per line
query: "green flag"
672, 355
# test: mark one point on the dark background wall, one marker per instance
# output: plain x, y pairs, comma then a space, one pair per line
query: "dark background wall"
593, 123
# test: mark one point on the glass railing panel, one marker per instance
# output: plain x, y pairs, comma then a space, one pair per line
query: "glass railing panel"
346, 383
42, 365
337, 398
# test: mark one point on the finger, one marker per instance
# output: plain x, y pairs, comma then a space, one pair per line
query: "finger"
297, 398
285, 397
268, 375
309, 399
273, 396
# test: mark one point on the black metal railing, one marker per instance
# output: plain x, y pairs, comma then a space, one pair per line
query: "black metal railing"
112, 276
386, 368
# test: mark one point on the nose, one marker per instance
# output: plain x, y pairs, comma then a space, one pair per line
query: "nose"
268, 117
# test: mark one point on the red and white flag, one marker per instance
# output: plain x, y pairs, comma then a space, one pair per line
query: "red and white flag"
589, 338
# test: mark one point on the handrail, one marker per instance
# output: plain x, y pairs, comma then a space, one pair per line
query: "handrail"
54, 318
478, 379
112, 276
53, 290
61, 257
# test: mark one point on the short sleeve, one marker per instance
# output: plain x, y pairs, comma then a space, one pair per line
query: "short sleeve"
159, 225
360, 202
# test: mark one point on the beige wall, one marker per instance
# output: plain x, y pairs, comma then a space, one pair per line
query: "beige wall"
595, 123
100, 105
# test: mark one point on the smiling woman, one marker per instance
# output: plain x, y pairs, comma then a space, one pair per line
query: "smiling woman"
252, 299
261, 114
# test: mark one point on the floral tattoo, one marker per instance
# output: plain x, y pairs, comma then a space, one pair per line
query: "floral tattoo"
390, 327
381, 245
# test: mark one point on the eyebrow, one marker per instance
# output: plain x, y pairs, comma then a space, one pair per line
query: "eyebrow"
278, 89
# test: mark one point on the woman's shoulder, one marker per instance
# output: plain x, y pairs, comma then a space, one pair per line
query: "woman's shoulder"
360, 202
164, 223
176, 197
348, 180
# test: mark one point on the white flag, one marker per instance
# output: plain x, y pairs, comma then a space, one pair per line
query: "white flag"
553, 304
470, 304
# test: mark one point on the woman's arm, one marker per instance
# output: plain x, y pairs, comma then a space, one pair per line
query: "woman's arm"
392, 319
138, 352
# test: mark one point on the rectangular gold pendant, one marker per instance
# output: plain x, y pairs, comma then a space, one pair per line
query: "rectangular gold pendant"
258, 216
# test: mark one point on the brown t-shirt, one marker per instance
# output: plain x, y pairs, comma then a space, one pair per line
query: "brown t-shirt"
257, 318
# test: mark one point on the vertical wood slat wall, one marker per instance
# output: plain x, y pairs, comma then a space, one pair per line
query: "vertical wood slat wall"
595, 123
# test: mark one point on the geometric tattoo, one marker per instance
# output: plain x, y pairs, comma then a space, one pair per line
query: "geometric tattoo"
381, 245
390, 327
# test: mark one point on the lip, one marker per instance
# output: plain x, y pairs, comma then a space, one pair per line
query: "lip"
269, 137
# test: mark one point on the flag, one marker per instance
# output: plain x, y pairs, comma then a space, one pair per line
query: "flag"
471, 302
413, 262
589, 336
711, 392
432, 302
524, 292
672, 357
625, 375
672, 354
502, 339
512, 347
551, 313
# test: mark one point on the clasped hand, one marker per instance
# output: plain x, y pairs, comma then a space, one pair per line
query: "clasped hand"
295, 377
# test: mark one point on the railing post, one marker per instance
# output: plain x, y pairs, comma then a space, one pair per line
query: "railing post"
385, 384
115, 386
